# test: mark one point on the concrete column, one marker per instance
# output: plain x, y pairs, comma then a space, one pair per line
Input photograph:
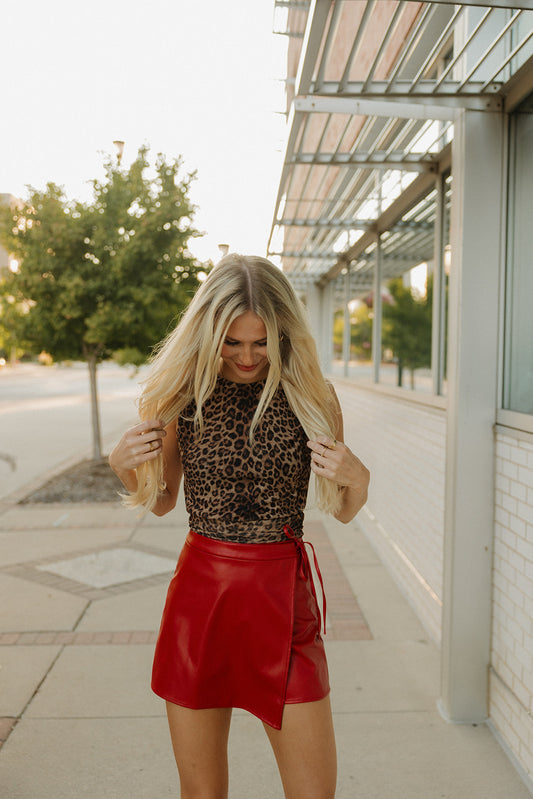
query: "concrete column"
377, 311
347, 328
317, 311
439, 289
476, 224
326, 341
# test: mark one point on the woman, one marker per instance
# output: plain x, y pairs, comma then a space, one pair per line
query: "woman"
236, 403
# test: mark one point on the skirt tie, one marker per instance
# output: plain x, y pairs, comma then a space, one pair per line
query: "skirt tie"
305, 571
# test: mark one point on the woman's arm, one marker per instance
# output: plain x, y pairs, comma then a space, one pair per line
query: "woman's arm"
335, 461
145, 442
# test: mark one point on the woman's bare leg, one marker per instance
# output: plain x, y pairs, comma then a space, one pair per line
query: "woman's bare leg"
305, 750
200, 743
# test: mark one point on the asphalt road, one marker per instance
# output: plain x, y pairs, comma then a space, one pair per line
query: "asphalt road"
45, 417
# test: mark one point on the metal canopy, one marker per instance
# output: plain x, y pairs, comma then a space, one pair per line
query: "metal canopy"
371, 106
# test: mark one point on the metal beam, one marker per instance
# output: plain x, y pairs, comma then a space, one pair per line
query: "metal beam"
306, 256
294, 122
408, 162
302, 4
314, 29
327, 224
438, 108
519, 86
512, 4
437, 91
413, 193
351, 224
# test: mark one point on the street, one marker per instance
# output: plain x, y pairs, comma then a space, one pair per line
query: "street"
45, 416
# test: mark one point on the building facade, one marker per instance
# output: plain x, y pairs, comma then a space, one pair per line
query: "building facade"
409, 162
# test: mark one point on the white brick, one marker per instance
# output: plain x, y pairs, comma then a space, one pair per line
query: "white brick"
505, 674
514, 665
525, 476
507, 571
526, 624
508, 537
519, 456
524, 548
525, 659
528, 605
521, 693
527, 445
502, 483
516, 596
510, 469
525, 586
502, 516
525, 512
509, 504
528, 569
519, 491
517, 561
528, 683
503, 450
518, 526
505, 439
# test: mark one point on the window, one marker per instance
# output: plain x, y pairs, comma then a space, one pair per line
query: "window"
518, 373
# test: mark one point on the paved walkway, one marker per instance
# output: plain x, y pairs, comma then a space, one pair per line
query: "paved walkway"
81, 594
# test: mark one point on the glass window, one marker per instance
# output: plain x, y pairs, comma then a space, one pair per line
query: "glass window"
407, 254
518, 382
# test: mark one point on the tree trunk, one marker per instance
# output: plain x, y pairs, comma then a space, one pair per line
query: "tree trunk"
400, 372
95, 413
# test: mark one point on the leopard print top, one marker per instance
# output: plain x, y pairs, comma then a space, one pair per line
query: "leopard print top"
237, 492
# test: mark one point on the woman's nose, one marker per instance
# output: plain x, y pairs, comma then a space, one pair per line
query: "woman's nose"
247, 355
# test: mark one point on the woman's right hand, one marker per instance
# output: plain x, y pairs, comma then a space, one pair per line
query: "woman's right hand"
138, 445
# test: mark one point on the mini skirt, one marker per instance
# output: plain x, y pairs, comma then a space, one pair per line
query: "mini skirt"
241, 627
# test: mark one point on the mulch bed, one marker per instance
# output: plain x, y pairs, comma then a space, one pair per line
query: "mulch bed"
87, 481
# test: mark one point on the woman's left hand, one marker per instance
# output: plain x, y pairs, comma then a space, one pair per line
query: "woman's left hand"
335, 461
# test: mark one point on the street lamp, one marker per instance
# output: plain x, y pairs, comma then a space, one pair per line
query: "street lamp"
120, 149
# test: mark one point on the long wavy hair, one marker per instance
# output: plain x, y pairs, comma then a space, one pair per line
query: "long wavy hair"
185, 366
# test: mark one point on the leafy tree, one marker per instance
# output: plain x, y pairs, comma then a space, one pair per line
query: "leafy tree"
407, 327
10, 312
360, 332
106, 275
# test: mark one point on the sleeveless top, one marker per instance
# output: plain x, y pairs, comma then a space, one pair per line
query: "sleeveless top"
235, 491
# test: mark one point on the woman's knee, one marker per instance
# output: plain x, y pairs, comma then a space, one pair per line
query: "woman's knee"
200, 742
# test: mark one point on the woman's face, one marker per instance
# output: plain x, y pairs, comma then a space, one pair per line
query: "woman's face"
244, 351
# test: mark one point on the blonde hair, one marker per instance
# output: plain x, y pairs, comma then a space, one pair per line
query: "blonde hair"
186, 364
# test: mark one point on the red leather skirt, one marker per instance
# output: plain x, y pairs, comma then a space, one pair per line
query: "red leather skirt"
241, 628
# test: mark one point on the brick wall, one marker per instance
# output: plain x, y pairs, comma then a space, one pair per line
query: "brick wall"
403, 445
511, 692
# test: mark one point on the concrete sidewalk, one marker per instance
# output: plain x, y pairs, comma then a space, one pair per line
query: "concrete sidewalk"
81, 594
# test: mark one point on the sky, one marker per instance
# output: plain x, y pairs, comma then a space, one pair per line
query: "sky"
193, 78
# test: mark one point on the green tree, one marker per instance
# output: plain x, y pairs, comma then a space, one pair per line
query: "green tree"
106, 275
407, 327
360, 332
